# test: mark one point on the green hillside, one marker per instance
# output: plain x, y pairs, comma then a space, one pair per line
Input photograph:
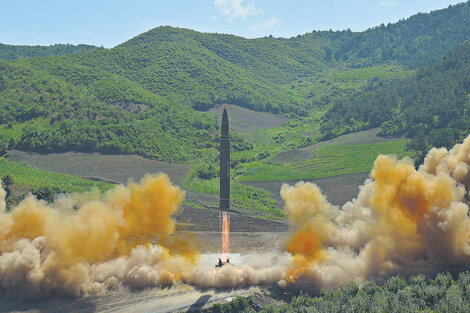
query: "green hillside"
12, 52
413, 42
432, 106
105, 113
143, 96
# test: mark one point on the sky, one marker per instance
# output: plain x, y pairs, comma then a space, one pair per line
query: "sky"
110, 22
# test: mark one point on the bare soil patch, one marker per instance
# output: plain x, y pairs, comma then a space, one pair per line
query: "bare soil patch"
246, 120
338, 189
363, 137
110, 168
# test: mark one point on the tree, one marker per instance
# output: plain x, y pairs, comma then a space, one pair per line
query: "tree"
45, 193
7, 181
3, 146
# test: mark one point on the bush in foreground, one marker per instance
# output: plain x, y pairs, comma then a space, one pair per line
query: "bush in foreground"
415, 294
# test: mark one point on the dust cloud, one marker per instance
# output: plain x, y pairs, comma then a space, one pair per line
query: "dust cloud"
89, 243
403, 221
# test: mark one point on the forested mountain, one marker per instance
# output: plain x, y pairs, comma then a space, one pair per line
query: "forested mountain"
141, 96
416, 41
41, 112
12, 52
433, 106
208, 69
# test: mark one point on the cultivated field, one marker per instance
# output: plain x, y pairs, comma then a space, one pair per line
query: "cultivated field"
95, 166
337, 189
363, 137
245, 120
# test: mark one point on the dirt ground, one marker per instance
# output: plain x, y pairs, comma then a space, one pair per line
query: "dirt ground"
337, 189
174, 299
245, 120
111, 168
208, 220
242, 242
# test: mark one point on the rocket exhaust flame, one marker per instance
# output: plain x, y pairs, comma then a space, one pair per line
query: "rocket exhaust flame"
225, 235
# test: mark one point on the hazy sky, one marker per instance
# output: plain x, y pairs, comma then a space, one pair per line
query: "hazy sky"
110, 22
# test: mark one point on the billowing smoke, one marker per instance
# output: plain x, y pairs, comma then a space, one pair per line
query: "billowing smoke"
403, 221
85, 244
88, 243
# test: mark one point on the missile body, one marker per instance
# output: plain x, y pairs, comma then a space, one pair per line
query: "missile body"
224, 204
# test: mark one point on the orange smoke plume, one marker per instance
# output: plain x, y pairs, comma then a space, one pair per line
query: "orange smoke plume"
305, 206
403, 221
75, 251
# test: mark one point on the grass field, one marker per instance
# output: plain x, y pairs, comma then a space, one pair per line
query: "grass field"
328, 160
28, 177
246, 199
335, 81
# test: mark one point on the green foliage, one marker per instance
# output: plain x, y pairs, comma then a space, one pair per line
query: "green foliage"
11, 52
3, 145
31, 178
103, 113
328, 160
207, 171
46, 193
7, 181
237, 305
432, 106
415, 294
414, 42
140, 96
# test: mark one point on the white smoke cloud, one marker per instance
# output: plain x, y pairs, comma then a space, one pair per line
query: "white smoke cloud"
235, 9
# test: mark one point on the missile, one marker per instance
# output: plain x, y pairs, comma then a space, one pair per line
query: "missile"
224, 204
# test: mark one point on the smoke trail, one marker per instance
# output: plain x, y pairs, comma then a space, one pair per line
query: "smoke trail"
403, 221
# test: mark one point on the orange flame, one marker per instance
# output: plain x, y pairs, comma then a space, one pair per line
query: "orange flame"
225, 235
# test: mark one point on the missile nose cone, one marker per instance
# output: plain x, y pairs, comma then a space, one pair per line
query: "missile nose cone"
224, 125
225, 116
